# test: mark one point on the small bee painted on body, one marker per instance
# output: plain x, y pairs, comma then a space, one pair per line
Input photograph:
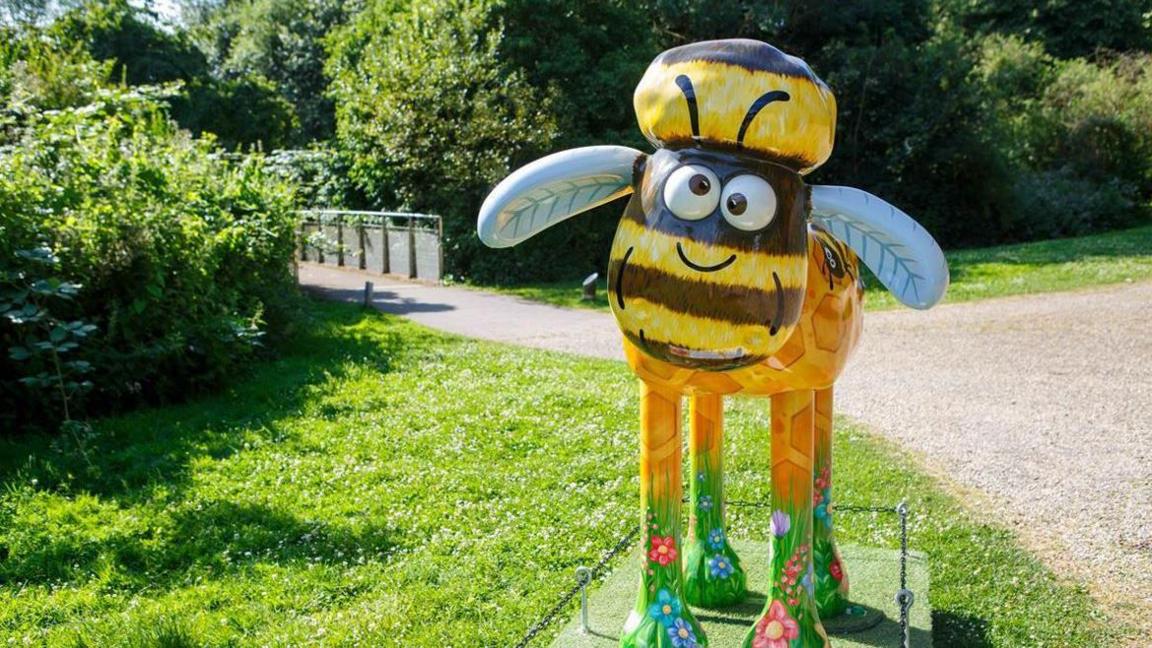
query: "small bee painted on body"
729, 275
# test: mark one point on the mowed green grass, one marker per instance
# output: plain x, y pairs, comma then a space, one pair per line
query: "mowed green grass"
384, 485
1038, 267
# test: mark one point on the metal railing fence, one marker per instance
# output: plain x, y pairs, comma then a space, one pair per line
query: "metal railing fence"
395, 243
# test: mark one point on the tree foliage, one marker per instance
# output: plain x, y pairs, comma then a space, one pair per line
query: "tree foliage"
178, 259
282, 41
432, 116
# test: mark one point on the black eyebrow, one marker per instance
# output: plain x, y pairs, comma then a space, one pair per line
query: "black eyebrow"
690, 96
755, 108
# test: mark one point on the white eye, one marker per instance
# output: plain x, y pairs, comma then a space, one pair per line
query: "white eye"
749, 202
692, 192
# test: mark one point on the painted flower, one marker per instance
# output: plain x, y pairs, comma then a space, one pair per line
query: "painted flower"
716, 538
720, 566
663, 550
822, 511
809, 581
836, 570
705, 503
700, 475
681, 635
776, 629
781, 522
666, 608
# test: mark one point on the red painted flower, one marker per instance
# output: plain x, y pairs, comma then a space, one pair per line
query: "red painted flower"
836, 571
663, 550
776, 629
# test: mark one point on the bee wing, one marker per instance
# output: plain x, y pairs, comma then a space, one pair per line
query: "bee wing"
902, 255
553, 188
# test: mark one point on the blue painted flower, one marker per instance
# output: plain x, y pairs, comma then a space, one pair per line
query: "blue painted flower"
681, 635
822, 512
720, 566
705, 503
781, 522
666, 609
716, 538
809, 580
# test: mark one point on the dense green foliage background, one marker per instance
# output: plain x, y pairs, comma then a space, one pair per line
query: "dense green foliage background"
989, 123
136, 264
990, 120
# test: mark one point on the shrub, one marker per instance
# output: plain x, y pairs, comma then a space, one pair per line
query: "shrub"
179, 259
1063, 202
432, 118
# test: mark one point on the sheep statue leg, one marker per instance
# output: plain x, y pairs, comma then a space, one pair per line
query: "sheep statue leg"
661, 617
713, 577
790, 617
828, 566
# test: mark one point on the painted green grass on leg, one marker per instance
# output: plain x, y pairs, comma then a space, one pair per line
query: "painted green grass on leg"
382, 484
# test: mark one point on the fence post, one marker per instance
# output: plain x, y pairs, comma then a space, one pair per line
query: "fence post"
385, 248
440, 248
340, 240
411, 247
322, 238
363, 248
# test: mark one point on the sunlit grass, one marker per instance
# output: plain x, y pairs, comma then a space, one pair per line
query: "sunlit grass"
384, 485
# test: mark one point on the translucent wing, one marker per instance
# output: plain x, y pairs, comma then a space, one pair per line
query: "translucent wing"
904, 257
552, 189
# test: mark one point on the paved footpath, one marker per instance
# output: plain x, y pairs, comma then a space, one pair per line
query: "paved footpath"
1042, 404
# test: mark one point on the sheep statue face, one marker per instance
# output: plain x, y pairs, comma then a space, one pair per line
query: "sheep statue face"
710, 258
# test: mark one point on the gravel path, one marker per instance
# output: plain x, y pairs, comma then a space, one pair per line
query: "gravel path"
1042, 404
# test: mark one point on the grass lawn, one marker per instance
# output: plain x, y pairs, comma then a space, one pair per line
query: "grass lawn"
384, 485
1043, 266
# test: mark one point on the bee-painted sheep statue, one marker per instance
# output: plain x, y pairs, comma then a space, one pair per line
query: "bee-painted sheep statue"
730, 275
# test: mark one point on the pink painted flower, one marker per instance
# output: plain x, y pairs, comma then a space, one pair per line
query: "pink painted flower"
776, 628
663, 550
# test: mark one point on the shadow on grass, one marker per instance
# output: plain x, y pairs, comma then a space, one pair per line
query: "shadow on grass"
146, 458
126, 456
222, 535
954, 629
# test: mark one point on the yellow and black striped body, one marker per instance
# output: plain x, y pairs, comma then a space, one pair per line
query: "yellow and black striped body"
816, 351
701, 293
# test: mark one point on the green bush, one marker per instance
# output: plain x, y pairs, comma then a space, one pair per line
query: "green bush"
432, 118
110, 217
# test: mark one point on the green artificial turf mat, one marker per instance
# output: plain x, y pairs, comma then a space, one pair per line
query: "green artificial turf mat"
875, 578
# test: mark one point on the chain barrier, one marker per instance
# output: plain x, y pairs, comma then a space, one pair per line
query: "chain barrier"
584, 576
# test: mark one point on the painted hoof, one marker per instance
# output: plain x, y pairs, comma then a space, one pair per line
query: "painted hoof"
665, 623
713, 577
782, 625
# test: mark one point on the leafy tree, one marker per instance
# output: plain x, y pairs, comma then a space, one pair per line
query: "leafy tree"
432, 117
282, 41
39, 71
114, 30
1067, 28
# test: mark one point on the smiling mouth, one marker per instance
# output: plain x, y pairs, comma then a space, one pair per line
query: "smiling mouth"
700, 268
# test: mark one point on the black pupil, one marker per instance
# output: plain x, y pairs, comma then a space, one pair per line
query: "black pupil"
699, 185
737, 203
